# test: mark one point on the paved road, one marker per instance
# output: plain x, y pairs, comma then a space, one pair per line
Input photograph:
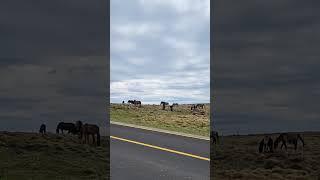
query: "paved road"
134, 161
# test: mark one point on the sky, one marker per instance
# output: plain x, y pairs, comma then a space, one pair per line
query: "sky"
53, 63
266, 66
160, 51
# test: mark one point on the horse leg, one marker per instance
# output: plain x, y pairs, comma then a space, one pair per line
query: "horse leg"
87, 139
285, 145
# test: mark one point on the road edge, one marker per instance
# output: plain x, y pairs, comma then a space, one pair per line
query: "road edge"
160, 130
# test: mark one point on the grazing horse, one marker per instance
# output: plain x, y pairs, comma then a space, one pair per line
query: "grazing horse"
131, 101
137, 103
66, 126
290, 138
90, 129
175, 104
42, 129
79, 128
214, 136
200, 105
266, 145
134, 102
164, 104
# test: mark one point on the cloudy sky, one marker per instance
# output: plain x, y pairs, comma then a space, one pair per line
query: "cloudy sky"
53, 63
160, 51
266, 65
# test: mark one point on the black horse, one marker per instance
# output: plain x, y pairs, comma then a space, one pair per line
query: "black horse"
175, 104
266, 145
135, 102
165, 103
214, 136
42, 129
70, 127
290, 138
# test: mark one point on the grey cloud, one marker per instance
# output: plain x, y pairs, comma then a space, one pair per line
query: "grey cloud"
53, 63
265, 62
154, 56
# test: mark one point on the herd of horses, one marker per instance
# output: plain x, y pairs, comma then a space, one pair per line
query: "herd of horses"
164, 104
134, 102
267, 145
84, 131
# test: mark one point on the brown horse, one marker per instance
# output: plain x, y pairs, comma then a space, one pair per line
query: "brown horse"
90, 129
290, 138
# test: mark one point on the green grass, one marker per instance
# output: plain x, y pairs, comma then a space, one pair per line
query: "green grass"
31, 156
238, 158
179, 120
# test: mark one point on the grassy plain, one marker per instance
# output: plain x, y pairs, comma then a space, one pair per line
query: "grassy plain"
32, 156
180, 119
238, 158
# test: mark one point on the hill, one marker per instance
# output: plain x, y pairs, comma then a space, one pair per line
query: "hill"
32, 156
180, 119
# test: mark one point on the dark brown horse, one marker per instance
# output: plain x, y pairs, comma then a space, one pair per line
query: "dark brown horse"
70, 127
42, 129
214, 136
266, 145
290, 138
90, 129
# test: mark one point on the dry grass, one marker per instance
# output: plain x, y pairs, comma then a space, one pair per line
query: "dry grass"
180, 120
31, 156
238, 158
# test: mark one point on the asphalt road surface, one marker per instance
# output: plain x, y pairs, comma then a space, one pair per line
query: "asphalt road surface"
146, 155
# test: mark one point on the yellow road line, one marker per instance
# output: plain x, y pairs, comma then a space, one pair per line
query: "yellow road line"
161, 148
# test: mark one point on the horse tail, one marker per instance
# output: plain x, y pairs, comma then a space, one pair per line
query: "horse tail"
98, 138
299, 137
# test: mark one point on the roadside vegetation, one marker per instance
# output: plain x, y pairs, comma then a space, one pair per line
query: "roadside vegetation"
181, 119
